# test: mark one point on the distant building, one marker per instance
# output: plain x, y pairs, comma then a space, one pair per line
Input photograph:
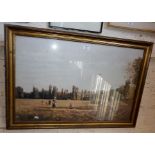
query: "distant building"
19, 92
35, 93
74, 92
53, 93
78, 95
50, 92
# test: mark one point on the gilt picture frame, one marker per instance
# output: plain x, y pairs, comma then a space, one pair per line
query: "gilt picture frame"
58, 79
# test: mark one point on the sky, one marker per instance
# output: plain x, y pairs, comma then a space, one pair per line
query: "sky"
41, 62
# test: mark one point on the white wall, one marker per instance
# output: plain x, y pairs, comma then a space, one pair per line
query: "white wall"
145, 121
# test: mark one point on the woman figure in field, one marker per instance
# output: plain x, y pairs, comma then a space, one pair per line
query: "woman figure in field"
54, 103
49, 103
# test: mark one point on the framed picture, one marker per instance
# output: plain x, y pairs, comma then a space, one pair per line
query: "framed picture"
93, 27
57, 79
139, 26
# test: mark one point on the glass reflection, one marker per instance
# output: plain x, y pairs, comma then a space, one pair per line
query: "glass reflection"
106, 99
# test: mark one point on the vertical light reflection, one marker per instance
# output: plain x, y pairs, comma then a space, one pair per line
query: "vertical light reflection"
102, 90
111, 104
106, 99
114, 105
97, 90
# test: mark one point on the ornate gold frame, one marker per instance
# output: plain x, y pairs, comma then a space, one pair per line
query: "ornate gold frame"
12, 31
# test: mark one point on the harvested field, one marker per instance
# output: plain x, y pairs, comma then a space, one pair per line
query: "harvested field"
65, 110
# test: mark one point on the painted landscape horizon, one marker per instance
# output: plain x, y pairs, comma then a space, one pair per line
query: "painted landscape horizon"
65, 81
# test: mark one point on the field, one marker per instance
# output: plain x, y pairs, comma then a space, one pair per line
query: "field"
65, 110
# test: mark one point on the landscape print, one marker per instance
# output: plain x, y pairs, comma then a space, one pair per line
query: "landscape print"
66, 81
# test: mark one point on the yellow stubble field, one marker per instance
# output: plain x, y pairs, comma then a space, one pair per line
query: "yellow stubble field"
65, 110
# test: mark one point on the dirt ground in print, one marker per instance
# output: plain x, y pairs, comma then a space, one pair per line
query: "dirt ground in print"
65, 110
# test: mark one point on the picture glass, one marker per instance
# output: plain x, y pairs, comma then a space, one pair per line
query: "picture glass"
67, 81
83, 26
